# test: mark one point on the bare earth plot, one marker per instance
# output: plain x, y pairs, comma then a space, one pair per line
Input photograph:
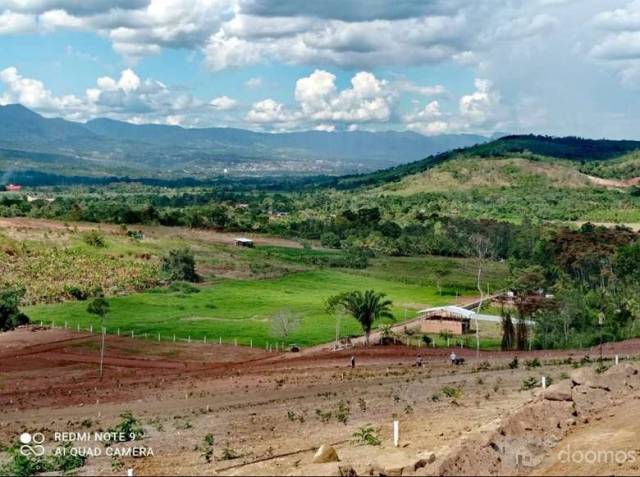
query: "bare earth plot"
268, 412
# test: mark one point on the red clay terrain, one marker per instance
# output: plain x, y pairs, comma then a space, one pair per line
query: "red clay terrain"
269, 412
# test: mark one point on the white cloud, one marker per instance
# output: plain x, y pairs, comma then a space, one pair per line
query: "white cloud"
627, 18
127, 98
409, 87
479, 111
224, 51
223, 103
368, 99
12, 23
325, 127
523, 27
319, 103
622, 46
253, 83
427, 120
269, 111
33, 94
480, 106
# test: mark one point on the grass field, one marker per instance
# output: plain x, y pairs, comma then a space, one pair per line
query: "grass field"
242, 288
241, 309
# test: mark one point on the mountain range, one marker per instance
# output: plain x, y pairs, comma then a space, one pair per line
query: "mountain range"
106, 146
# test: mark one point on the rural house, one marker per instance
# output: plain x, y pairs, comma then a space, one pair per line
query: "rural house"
446, 319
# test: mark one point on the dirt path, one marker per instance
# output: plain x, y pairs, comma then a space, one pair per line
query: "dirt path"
619, 183
210, 236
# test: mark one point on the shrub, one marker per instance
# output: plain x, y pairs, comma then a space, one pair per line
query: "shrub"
329, 239
77, 292
529, 383
10, 314
94, 239
514, 363
180, 265
532, 363
63, 460
20, 465
323, 416
129, 426
207, 453
183, 288
229, 454
366, 435
451, 392
342, 414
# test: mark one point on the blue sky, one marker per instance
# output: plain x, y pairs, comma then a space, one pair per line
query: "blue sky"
432, 66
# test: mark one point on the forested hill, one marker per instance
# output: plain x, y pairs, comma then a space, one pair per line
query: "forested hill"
567, 148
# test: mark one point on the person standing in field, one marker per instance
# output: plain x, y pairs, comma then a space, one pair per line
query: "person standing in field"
353, 361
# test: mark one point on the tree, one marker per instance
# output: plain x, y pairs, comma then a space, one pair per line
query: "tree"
334, 305
180, 264
522, 334
367, 307
481, 247
508, 332
529, 280
626, 262
283, 323
441, 273
100, 307
10, 314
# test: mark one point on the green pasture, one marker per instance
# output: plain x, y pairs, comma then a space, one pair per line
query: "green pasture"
241, 309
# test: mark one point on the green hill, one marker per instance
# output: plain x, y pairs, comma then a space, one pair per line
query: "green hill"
531, 147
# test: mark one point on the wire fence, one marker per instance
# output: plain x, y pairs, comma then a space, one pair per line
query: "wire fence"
271, 346
410, 341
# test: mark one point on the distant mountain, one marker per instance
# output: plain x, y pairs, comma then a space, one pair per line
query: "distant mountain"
173, 150
395, 147
21, 126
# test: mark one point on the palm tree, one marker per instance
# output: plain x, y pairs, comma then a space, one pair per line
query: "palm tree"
367, 307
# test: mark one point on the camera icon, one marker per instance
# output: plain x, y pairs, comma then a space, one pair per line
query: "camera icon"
32, 444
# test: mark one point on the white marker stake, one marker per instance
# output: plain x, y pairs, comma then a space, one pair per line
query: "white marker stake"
396, 433
544, 382
129, 472
617, 360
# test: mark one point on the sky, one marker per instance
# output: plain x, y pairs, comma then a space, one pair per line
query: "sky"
558, 67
